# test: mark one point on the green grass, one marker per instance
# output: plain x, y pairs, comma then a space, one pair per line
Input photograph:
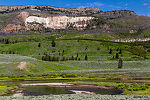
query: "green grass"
99, 60
129, 88
5, 89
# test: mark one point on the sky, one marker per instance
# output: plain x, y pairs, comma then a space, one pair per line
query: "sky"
141, 7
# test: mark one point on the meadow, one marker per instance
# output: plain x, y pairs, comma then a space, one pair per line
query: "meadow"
72, 57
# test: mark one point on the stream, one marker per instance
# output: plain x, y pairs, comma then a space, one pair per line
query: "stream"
42, 89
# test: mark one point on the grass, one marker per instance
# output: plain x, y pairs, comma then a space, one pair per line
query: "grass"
129, 88
99, 65
5, 89
9, 63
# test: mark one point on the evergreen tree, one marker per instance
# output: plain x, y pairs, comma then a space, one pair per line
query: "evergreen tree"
53, 43
110, 51
43, 58
117, 56
78, 59
117, 49
72, 58
86, 58
120, 63
6, 41
120, 51
39, 45
46, 57
63, 51
77, 55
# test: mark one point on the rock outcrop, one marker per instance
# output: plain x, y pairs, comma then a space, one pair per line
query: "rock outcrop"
23, 16
58, 22
13, 27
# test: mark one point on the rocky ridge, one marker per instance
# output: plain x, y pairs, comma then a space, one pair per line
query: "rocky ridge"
51, 10
38, 18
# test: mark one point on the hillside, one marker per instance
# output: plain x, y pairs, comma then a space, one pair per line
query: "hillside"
47, 19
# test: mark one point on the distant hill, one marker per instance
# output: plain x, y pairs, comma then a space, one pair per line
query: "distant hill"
52, 19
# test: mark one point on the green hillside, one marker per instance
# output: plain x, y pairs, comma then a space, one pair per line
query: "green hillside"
69, 55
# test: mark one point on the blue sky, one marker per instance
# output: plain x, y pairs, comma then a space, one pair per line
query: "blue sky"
141, 7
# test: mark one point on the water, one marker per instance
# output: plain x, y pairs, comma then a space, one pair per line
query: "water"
49, 90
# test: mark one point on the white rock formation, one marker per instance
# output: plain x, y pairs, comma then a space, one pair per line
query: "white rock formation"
59, 22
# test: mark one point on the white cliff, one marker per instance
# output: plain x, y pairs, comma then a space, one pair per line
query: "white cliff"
59, 22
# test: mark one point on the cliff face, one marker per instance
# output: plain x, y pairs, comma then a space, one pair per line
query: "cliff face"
58, 22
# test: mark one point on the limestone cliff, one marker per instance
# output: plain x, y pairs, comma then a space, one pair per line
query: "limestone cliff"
58, 22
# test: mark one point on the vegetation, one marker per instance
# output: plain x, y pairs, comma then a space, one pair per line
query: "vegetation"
73, 57
4, 89
129, 88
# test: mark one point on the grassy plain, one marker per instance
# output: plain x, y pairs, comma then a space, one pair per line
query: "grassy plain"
100, 65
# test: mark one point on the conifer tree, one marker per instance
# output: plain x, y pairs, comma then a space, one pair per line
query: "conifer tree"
117, 56
110, 51
39, 45
53, 43
120, 63
86, 58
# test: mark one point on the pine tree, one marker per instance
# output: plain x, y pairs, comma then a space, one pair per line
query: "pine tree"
117, 56
110, 51
120, 63
120, 51
78, 59
86, 58
6, 41
77, 55
117, 49
39, 45
63, 51
72, 58
53, 43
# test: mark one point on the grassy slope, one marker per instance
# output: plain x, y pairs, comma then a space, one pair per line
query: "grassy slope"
98, 60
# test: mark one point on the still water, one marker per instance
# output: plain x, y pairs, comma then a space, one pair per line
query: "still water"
49, 90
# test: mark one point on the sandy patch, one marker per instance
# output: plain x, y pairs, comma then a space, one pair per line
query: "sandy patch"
22, 65
81, 92
18, 93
